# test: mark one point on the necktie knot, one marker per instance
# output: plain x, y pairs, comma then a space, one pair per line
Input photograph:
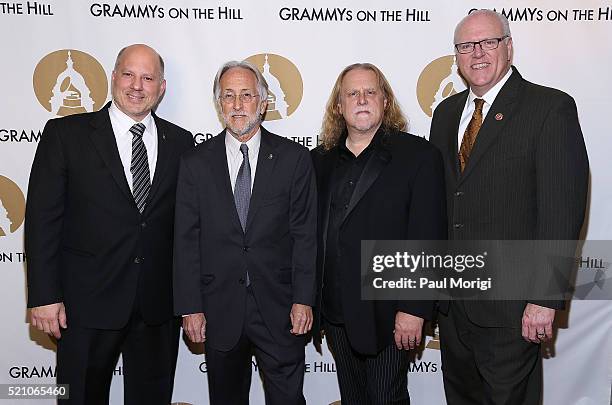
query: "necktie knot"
137, 129
479, 104
244, 148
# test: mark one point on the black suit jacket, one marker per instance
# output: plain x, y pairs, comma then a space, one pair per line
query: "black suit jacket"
399, 196
526, 178
86, 242
278, 249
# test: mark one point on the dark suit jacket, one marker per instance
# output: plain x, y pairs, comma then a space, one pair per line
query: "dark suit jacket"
213, 254
526, 178
84, 234
399, 196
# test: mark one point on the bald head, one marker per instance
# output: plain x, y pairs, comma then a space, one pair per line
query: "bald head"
504, 25
142, 48
137, 81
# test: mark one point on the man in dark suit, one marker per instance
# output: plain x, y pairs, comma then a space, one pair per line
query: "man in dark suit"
375, 183
99, 223
245, 247
516, 169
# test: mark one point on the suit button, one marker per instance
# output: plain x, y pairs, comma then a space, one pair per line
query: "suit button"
458, 193
351, 183
245, 248
241, 281
457, 226
138, 260
346, 206
143, 225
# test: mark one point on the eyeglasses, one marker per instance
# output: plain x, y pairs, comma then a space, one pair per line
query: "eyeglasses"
230, 98
486, 45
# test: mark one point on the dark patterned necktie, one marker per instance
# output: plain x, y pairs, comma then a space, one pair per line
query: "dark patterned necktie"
141, 175
242, 189
471, 132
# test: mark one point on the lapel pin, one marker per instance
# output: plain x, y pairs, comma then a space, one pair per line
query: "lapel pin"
270, 156
499, 116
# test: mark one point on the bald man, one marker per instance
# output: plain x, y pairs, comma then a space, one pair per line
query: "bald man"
99, 223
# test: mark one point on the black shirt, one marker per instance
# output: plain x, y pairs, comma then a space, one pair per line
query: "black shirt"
345, 176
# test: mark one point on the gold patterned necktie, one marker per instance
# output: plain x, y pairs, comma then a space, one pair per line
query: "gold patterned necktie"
469, 137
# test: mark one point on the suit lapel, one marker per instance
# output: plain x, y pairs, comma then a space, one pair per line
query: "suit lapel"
218, 163
378, 161
266, 160
497, 117
104, 141
453, 155
164, 150
329, 180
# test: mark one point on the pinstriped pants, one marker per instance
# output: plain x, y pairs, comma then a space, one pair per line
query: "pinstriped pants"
368, 380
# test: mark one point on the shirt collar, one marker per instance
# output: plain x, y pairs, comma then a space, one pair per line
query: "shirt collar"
124, 122
375, 142
489, 96
233, 145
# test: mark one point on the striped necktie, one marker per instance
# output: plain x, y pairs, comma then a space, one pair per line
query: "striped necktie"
141, 176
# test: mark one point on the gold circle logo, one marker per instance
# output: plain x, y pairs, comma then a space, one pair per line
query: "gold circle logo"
284, 81
439, 80
12, 206
70, 82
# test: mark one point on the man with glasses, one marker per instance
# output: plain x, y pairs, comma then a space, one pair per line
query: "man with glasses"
516, 169
245, 242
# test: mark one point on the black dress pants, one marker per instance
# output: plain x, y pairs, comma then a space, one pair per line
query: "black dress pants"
487, 366
282, 367
86, 360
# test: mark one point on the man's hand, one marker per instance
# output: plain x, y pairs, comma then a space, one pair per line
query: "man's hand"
537, 323
408, 331
301, 319
49, 318
194, 326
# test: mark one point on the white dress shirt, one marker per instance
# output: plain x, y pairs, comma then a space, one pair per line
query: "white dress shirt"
121, 124
470, 106
234, 156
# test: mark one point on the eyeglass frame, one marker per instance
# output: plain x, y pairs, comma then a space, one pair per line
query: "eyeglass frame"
479, 43
240, 96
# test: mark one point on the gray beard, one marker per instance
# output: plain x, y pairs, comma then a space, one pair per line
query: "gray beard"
236, 133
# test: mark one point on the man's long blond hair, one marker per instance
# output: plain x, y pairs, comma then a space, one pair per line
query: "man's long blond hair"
334, 124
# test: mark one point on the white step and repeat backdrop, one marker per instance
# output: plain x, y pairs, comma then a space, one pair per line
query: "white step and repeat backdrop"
57, 56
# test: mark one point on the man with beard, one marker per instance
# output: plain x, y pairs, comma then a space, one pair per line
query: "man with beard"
246, 246
375, 182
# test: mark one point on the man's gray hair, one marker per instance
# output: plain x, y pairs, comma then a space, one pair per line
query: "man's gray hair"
262, 85
503, 21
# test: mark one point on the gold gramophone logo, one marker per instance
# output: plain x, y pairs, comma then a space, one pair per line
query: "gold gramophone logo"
439, 80
12, 206
284, 82
69, 81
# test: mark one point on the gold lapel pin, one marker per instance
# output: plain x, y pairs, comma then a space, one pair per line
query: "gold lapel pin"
270, 156
499, 116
